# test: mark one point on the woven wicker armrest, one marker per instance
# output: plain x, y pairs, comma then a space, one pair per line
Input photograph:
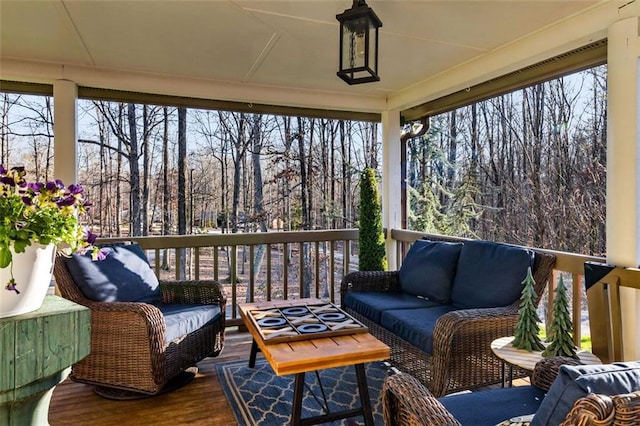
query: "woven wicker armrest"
486, 324
142, 321
594, 409
546, 370
406, 401
203, 291
370, 281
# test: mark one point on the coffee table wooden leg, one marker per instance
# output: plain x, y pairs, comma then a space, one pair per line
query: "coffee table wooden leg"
365, 401
298, 390
254, 352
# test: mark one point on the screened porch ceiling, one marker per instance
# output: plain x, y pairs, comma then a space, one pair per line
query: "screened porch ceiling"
284, 52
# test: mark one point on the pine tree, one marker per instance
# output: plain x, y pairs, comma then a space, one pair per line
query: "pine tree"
527, 328
559, 336
371, 238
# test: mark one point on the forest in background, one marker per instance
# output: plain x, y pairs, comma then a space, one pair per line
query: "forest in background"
526, 168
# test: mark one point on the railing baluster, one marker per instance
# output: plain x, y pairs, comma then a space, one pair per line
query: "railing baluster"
333, 268
285, 267
233, 266
252, 275
216, 259
317, 258
197, 262
301, 260
269, 266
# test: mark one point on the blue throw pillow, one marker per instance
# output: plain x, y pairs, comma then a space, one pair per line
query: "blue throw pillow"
576, 381
428, 269
123, 276
489, 275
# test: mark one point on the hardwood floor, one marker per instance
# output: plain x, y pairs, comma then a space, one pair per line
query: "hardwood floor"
201, 402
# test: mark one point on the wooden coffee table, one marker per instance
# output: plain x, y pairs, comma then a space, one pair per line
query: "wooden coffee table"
302, 356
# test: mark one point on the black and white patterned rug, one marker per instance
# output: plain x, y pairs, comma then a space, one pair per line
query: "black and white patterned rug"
259, 397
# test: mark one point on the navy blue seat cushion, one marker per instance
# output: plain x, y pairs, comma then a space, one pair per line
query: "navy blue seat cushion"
428, 269
123, 276
490, 407
576, 381
493, 406
372, 304
489, 275
181, 320
415, 325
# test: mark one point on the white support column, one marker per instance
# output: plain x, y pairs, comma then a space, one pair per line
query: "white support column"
391, 188
65, 119
623, 168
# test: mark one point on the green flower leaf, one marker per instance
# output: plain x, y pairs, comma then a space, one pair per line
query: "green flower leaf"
5, 257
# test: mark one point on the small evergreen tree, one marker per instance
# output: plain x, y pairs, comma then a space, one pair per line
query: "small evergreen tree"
371, 238
527, 328
561, 326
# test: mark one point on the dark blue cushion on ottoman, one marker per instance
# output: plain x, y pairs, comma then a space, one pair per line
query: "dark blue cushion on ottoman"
576, 381
489, 275
415, 325
428, 269
490, 407
371, 304
123, 276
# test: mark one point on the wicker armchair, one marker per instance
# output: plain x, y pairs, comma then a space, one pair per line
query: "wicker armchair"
407, 402
129, 355
462, 357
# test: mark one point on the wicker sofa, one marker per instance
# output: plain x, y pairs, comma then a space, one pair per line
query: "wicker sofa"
138, 347
454, 352
557, 396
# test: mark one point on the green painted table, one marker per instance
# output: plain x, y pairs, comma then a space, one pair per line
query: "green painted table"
36, 352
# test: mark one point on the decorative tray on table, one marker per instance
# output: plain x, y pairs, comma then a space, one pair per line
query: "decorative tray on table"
286, 324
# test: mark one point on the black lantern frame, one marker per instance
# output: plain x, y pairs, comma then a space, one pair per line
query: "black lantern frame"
359, 44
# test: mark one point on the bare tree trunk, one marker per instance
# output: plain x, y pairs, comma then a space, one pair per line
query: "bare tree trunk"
182, 178
166, 193
134, 177
144, 211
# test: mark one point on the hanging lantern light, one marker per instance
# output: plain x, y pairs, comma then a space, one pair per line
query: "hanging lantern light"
359, 44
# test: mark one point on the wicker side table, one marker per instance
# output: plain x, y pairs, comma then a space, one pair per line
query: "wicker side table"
526, 360
36, 352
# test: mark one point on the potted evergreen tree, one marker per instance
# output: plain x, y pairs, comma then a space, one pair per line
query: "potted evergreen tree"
371, 238
559, 335
527, 328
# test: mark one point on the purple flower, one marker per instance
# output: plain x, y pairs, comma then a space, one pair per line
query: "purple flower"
2, 170
100, 254
7, 180
11, 286
90, 237
67, 201
75, 189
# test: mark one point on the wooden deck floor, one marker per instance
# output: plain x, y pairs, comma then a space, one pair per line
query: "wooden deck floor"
201, 402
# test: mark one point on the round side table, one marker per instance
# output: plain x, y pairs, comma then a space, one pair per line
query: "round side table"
525, 360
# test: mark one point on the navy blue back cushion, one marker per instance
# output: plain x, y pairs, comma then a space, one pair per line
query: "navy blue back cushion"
489, 274
428, 270
123, 276
576, 381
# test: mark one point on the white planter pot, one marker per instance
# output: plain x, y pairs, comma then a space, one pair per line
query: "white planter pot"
32, 271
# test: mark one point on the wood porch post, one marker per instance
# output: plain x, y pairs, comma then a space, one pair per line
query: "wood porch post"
391, 185
623, 168
65, 119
